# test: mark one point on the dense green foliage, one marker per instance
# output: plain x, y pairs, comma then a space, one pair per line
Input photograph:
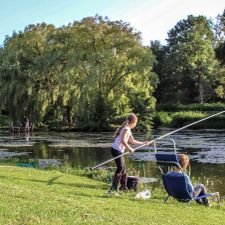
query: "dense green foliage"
190, 67
88, 73
204, 107
183, 118
30, 196
4, 121
82, 73
162, 119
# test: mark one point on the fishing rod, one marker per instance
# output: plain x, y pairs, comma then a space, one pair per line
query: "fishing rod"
154, 140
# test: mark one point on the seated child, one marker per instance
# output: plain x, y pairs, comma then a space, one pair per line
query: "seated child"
195, 191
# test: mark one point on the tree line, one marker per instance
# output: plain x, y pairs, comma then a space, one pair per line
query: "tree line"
92, 71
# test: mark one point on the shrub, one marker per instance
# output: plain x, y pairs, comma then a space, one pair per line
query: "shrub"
104, 175
206, 107
161, 118
4, 120
183, 118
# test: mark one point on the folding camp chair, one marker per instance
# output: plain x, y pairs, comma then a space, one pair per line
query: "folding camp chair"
175, 184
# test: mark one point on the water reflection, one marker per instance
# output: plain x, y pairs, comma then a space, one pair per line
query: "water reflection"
80, 150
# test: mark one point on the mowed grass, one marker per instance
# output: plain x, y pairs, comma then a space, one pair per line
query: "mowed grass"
32, 196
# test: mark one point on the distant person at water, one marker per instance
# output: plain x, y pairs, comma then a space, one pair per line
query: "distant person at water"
123, 138
26, 123
195, 191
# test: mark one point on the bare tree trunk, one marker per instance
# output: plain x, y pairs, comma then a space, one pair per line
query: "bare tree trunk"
68, 113
200, 90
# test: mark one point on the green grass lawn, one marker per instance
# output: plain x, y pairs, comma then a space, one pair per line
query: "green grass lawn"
32, 196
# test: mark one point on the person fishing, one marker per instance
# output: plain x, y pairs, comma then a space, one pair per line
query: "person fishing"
163, 136
122, 142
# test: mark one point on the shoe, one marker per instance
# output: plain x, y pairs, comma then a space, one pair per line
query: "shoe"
124, 189
112, 193
199, 202
208, 205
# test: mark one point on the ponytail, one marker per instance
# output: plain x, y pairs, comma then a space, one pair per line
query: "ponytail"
117, 132
130, 119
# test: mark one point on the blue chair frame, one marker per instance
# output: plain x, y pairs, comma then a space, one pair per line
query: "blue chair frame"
176, 186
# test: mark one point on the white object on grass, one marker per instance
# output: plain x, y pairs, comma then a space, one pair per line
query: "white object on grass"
143, 194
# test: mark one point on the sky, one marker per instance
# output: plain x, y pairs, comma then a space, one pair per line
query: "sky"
153, 18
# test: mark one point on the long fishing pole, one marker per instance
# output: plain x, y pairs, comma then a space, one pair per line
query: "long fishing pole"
152, 141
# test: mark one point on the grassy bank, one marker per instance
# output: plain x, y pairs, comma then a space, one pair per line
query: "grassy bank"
31, 196
183, 118
179, 115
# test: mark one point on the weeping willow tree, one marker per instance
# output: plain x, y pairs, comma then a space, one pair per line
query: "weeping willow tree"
86, 72
28, 80
112, 69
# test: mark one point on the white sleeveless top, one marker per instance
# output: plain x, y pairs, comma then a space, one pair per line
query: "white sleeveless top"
117, 143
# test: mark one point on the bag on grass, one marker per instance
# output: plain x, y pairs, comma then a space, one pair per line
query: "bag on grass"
133, 183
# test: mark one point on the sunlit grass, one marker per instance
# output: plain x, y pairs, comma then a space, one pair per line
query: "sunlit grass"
31, 196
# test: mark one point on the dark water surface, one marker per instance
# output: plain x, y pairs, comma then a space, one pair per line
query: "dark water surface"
206, 149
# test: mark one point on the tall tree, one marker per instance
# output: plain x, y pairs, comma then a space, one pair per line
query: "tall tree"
220, 54
28, 78
84, 72
113, 67
191, 57
160, 52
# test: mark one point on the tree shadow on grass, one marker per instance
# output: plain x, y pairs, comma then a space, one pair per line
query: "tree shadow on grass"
53, 181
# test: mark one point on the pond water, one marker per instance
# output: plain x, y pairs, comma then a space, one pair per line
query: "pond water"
206, 149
